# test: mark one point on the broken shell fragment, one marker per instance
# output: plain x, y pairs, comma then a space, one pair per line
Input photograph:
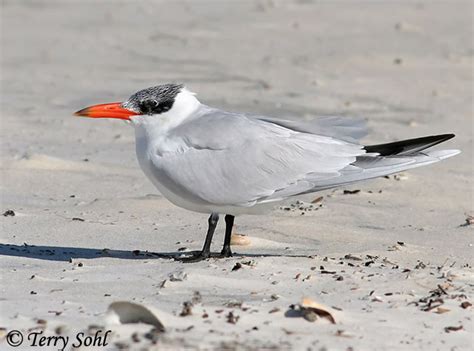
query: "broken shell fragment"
125, 312
307, 305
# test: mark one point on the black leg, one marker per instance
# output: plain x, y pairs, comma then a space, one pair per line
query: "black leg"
206, 249
229, 223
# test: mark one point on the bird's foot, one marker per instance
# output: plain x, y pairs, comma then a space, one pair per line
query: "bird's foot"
195, 256
226, 252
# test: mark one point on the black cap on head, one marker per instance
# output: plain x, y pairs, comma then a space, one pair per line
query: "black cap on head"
154, 100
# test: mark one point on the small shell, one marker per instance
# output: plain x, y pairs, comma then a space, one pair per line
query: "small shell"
322, 311
239, 240
441, 310
125, 312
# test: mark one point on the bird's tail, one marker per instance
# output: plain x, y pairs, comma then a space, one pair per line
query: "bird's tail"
385, 159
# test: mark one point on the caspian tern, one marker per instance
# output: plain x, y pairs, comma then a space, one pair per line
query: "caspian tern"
211, 161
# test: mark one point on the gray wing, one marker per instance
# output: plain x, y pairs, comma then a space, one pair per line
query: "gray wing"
343, 128
230, 159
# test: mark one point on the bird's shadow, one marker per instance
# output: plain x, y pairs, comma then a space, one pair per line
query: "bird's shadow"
64, 253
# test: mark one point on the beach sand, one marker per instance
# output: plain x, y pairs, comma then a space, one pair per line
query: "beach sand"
392, 262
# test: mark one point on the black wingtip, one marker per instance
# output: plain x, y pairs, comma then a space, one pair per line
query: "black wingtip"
449, 136
409, 146
441, 137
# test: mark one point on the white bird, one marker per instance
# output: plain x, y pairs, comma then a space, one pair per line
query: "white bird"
208, 160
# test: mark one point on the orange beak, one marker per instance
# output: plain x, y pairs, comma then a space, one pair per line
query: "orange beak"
111, 110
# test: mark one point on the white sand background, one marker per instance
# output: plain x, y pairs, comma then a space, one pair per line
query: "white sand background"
405, 66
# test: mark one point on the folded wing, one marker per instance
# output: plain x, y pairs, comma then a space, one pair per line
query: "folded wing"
230, 159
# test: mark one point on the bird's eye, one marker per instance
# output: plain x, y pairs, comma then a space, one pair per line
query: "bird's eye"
148, 106
152, 107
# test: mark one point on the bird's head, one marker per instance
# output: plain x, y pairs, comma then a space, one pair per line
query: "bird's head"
152, 101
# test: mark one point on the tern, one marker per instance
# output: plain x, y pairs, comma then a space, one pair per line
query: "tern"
216, 162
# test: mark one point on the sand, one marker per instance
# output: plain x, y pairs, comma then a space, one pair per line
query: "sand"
392, 263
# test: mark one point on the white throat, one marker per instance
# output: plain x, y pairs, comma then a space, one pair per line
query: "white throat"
184, 106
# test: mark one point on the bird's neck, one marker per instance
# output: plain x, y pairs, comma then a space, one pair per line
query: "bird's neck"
185, 105
152, 132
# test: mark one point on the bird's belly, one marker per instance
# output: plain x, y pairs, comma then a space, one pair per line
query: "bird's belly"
180, 200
